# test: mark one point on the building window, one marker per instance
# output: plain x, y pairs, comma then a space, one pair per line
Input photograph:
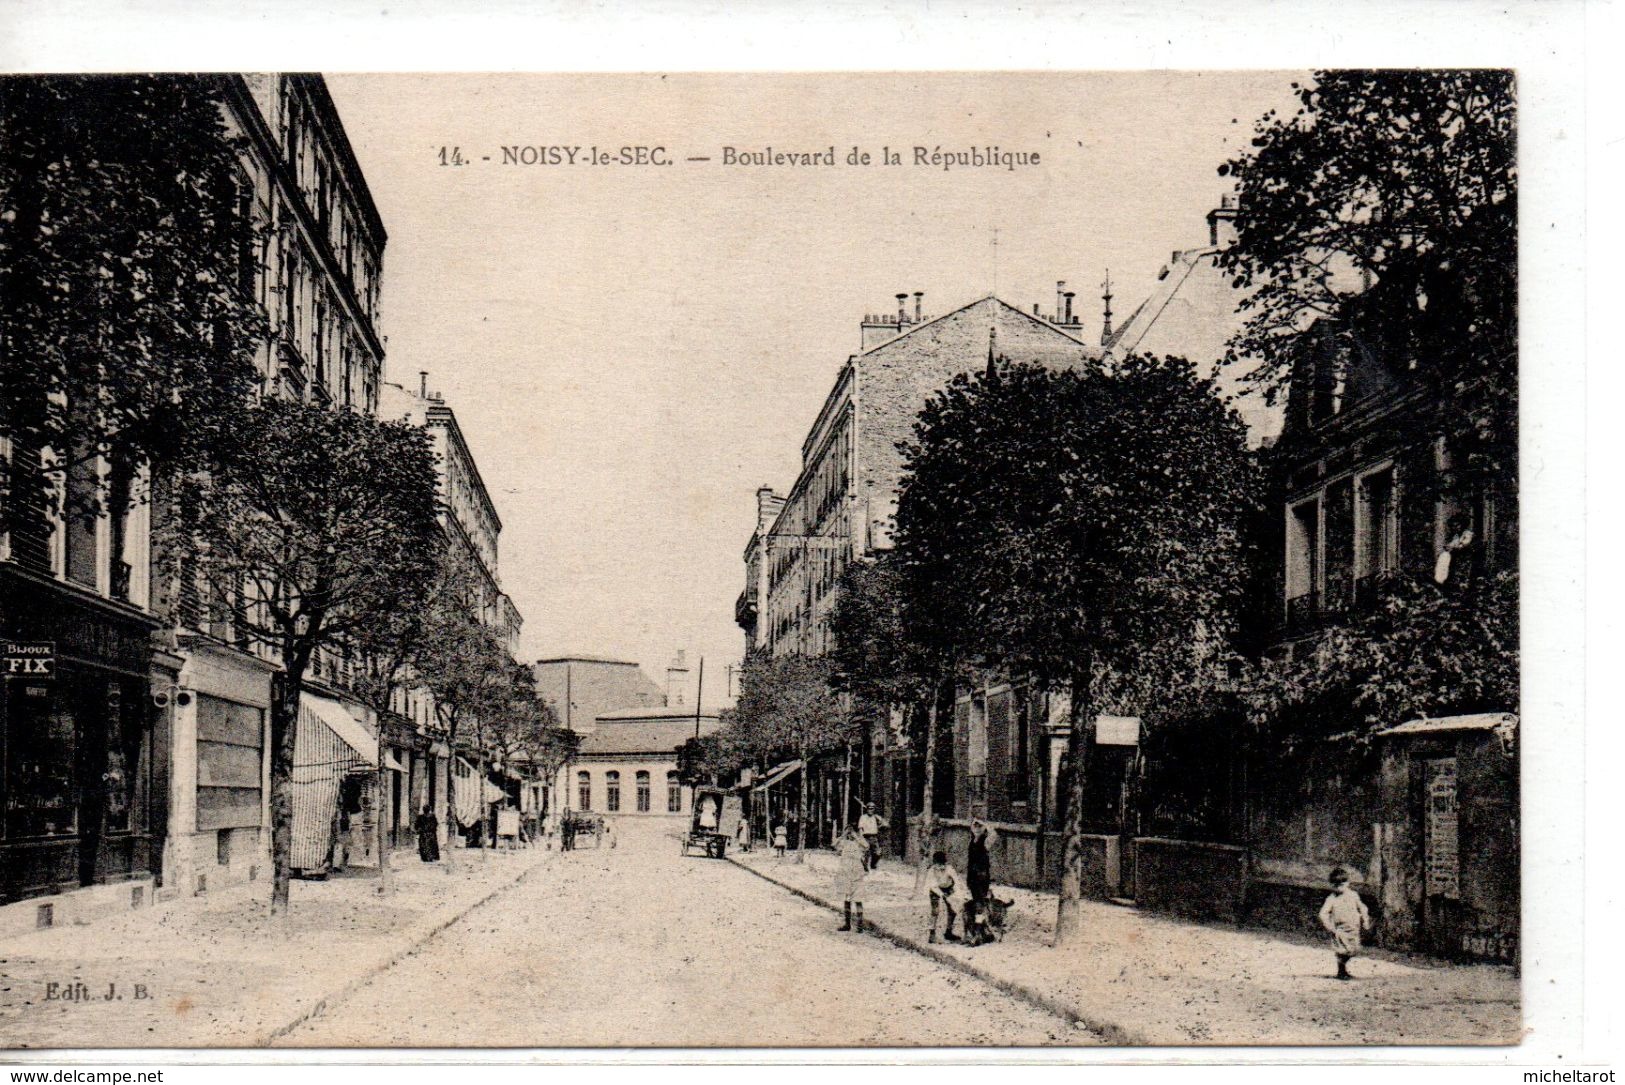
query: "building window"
583, 790
1303, 559
1376, 526
612, 791
674, 794
643, 792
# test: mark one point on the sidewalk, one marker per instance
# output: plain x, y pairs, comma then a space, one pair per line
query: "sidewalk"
1140, 978
219, 973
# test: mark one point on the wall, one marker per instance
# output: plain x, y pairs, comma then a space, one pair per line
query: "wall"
628, 767
1482, 919
895, 379
1202, 881
595, 687
1014, 853
192, 852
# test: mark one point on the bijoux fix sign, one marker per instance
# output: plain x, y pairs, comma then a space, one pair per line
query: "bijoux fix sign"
34, 659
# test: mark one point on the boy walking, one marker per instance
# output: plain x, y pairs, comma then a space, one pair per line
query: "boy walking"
1345, 916
942, 885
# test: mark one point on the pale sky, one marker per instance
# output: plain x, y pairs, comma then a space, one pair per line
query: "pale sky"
632, 351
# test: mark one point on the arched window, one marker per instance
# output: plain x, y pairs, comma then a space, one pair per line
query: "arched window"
674, 794
583, 790
612, 791
643, 792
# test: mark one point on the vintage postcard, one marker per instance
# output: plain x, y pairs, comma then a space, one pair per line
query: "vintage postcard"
919, 559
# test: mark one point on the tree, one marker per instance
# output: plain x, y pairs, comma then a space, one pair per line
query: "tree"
128, 251
1071, 526
464, 665
312, 527
1424, 650
524, 731
787, 704
881, 664
1387, 206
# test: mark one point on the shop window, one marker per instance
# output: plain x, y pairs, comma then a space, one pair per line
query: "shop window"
643, 792
42, 796
674, 794
612, 792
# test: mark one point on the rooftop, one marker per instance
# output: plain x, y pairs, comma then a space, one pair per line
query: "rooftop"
648, 736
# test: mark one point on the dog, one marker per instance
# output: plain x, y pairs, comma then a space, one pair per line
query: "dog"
989, 924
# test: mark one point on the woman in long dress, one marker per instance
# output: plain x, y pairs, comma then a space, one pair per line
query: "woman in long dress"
850, 874
427, 827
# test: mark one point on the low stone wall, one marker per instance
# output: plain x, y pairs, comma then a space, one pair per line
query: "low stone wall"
1184, 877
1014, 851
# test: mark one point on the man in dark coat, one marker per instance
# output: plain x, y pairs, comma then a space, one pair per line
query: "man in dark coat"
979, 883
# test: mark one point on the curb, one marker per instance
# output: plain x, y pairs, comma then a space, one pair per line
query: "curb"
1110, 1032
321, 1005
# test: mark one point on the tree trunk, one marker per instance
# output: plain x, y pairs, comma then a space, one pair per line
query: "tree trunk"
485, 810
801, 809
286, 687
385, 876
1079, 742
928, 801
448, 862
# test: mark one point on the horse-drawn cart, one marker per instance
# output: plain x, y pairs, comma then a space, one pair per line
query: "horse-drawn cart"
713, 823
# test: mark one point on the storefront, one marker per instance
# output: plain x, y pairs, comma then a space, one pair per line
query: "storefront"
82, 781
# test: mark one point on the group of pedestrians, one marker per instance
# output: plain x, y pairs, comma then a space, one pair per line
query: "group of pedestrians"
968, 898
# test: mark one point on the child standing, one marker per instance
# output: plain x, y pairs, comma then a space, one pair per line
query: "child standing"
1344, 915
941, 884
781, 840
849, 875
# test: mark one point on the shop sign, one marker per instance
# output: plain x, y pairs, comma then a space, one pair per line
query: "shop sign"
1117, 730
33, 660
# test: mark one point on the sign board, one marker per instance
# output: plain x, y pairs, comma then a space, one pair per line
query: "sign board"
1117, 730
1442, 857
34, 660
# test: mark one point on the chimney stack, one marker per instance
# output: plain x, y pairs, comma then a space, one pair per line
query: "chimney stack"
423, 384
1069, 296
1106, 325
919, 296
1221, 223
902, 311
1060, 298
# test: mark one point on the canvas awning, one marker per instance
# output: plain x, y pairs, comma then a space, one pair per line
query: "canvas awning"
779, 773
1482, 721
392, 761
337, 718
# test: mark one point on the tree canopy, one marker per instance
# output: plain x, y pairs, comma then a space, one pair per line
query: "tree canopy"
1079, 528
312, 529
1387, 204
128, 254
1053, 521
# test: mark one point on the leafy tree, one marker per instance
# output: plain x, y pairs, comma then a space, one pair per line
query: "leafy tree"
313, 527
883, 665
524, 731
1068, 526
127, 264
464, 665
787, 704
1387, 205
1425, 650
